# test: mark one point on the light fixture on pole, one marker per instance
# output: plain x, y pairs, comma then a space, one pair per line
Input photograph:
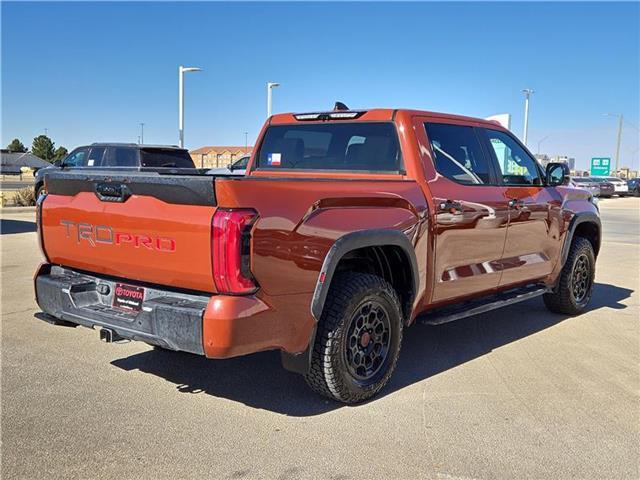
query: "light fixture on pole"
527, 93
181, 71
141, 133
620, 121
542, 140
270, 87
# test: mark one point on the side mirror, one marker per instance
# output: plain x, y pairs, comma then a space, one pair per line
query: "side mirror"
230, 167
558, 174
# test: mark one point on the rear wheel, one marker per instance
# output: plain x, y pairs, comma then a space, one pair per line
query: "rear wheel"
358, 338
576, 280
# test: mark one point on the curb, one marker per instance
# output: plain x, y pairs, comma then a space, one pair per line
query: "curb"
10, 210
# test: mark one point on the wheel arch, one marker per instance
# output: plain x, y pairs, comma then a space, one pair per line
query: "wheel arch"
378, 246
583, 224
372, 251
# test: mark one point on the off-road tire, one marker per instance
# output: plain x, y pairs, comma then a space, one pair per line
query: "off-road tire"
349, 295
563, 299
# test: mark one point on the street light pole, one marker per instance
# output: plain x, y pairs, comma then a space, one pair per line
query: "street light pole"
618, 144
619, 138
181, 71
540, 141
246, 134
141, 133
270, 87
527, 93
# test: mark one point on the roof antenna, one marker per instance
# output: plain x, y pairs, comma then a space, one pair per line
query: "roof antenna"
340, 106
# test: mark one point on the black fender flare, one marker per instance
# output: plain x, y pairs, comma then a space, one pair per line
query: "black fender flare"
300, 362
578, 218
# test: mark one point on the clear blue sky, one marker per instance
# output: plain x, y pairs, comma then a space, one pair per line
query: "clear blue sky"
92, 71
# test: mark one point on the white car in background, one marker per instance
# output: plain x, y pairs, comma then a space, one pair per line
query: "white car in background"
239, 167
620, 185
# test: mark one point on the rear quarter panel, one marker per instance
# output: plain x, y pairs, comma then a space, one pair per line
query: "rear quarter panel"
300, 219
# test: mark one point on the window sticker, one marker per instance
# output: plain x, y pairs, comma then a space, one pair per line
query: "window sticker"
274, 159
90, 162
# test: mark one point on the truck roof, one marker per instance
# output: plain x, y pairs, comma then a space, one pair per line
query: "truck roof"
375, 114
134, 145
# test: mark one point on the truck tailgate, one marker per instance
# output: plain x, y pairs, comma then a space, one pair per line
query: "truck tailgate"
140, 226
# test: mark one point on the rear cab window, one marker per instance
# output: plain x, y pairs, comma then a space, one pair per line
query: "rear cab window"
329, 146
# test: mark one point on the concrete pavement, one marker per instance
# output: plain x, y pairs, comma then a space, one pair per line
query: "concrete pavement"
515, 393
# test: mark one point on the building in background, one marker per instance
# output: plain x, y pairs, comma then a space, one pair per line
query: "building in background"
13, 163
564, 159
218, 156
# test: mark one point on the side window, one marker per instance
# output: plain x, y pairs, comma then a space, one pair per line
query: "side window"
123, 157
516, 165
95, 156
457, 153
77, 158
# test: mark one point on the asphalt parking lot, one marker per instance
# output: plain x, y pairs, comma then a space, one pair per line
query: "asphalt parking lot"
515, 393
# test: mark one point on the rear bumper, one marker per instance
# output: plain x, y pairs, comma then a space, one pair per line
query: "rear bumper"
216, 326
168, 319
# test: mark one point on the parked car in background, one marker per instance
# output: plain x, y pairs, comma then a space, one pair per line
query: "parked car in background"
586, 183
109, 155
607, 190
619, 185
239, 167
634, 186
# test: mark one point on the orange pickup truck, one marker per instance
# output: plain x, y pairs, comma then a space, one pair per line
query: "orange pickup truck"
348, 227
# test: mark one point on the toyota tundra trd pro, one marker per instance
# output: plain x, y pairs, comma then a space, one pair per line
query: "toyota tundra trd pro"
348, 227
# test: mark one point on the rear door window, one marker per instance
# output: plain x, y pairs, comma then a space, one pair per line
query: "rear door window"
457, 153
353, 146
165, 158
123, 157
96, 154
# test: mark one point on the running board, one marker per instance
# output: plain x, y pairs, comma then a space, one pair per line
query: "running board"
486, 304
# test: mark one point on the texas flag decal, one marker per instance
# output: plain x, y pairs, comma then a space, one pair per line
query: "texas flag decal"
274, 159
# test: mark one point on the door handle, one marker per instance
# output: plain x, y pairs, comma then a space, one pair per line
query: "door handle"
450, 206
517, 204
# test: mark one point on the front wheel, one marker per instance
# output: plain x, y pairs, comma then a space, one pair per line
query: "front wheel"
358, 338
576, 280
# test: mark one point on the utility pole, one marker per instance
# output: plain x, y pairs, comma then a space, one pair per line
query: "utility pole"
46, 132
270, 87
527, 93
181, 71
245, 140
141, 133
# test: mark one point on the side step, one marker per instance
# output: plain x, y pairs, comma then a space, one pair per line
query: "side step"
482, 305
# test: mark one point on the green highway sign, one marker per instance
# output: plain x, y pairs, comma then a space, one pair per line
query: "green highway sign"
601, 166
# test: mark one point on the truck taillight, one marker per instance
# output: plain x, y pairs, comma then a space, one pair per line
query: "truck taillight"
231, 250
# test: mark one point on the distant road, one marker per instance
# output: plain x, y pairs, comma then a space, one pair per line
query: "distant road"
16, 184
